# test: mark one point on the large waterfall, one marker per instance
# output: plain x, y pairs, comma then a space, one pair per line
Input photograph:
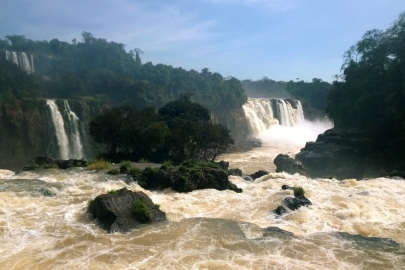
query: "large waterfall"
262, 113
68, 131
21, 60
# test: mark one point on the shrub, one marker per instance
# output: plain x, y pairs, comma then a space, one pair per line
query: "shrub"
167, 165
125, 166
298, 191
134, 172
113, 192
98, 164
141, 211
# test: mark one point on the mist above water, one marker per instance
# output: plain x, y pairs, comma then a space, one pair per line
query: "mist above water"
295, 136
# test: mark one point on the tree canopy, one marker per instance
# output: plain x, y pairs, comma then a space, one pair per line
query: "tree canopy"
181, 130
94, 66
372, 90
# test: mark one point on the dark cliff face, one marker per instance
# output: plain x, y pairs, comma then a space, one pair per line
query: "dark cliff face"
25, 131
235, 121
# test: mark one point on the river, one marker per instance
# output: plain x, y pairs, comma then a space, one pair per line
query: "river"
44, 223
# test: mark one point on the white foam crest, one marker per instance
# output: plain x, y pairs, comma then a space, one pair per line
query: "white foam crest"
6, 174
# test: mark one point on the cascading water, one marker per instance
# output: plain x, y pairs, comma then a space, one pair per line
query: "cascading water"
68, 130
25, 63
281, 122
262, 113
21, 59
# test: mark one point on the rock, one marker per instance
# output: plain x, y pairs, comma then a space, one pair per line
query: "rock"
284, 187
223, 164
258, 174
289, 165
247, 178
186, 178
236, 172
347, 153
293, 203
280, 210
115, 212
42, 160
70, 163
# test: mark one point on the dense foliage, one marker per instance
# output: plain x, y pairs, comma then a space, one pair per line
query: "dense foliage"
313, 95
16, 85
181, 130
372, 91
97, 68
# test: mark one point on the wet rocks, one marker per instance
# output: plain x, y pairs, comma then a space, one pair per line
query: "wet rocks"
289, 165
293, 203
47, 162
187, 177
280, 210
259, 174
348, 153
123, 210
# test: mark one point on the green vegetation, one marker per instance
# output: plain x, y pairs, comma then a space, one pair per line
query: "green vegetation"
113, 192
125, 166
98, 164
141, 211
298, 191
179, 131
94, 67
370, 93
186, 177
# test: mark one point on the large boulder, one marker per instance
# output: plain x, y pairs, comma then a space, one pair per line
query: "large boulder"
289, 165
186, 178
259, 174
293, 203
123, 210
345, 153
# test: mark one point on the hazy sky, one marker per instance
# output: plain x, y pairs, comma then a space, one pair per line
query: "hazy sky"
247, 39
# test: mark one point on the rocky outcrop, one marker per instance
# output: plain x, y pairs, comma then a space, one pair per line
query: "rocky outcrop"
293, 203
124, 210
259, 174
289, 165
345, 153
235, 121
186, 178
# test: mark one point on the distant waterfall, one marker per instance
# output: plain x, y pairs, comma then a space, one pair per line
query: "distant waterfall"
21, 59
261, 113
68, 130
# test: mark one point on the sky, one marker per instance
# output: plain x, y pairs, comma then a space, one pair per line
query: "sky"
248, 39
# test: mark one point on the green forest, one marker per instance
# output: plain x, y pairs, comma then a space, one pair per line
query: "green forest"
371, 92
98, 70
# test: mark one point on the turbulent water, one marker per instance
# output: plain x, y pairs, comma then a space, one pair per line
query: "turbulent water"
350, 225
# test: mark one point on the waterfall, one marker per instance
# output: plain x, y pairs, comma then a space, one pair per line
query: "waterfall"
59, 129
262, 113
14, 58
8, 56
68, 132
22, 60
25, 64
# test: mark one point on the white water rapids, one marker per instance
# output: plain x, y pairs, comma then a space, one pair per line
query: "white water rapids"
350, 225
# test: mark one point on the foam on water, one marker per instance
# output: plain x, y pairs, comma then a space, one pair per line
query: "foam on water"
206, 229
